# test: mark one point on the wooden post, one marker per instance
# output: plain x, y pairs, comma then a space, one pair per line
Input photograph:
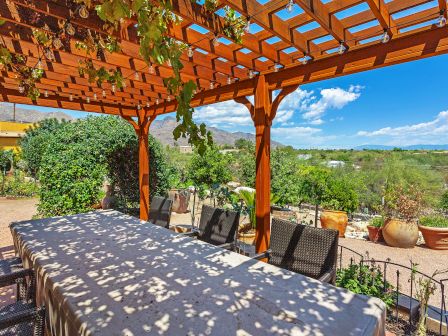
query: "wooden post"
262, 121
142, 129
263, 113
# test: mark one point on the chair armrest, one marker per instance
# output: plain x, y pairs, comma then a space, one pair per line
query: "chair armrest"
11, 278
228, 246
190, 234
262, 255
34, 314
328, 276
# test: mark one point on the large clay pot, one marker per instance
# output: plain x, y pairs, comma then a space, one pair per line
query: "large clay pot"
247, 238
375, 233
336, 220
180, 199
435, 238
399, 233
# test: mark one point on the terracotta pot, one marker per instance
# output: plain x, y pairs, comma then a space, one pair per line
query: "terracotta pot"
336, 220
375, 234
435, 238
398, 233
180, 198
247, 238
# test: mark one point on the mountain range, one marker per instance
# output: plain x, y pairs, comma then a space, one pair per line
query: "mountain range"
411, 147
160, 129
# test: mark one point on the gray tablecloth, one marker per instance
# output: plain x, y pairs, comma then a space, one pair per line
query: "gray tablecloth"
105, 273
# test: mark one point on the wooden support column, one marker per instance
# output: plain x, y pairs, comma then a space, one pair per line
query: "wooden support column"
141, 127
263, 113
263, 122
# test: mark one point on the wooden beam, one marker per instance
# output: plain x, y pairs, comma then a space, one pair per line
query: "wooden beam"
320, 13
272, 23
442, 7
379, 9
426, 42
248, 104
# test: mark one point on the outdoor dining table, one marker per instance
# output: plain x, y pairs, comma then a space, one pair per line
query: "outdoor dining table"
106, 273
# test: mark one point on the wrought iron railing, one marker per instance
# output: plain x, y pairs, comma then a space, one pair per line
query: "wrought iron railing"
395, 274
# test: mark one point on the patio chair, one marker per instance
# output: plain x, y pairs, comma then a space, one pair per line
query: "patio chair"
21, 317
160, 211
13, 273
217, 227
303, 249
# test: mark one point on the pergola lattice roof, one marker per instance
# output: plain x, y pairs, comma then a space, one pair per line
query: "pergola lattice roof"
315, 30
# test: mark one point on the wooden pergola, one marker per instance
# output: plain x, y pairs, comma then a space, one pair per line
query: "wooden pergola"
326, 39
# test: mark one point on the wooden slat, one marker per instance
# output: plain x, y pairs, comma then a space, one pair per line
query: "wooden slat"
379, 9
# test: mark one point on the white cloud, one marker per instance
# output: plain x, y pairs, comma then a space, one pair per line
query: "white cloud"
225, 113
431, 132
335, 98
314, 108
302, 137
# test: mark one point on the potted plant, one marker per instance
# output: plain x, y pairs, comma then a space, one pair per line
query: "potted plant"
340, 198
402, 207
246, 232
435, 231
375, 229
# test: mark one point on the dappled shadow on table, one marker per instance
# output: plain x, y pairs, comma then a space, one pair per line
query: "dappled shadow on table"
109, 273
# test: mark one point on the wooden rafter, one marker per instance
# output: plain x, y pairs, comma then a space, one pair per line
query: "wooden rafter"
379, 9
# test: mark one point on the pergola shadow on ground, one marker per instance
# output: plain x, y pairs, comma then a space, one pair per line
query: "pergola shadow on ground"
359, 40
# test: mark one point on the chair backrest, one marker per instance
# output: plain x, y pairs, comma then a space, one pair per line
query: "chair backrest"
160, 211
218, 226
303, 249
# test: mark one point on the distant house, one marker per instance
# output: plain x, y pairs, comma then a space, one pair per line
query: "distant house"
10, 134
304, 156
186, 149
335, 164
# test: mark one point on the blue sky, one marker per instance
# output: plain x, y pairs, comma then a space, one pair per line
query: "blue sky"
399, 105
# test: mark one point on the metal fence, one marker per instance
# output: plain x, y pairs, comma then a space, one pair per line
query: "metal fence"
405, 294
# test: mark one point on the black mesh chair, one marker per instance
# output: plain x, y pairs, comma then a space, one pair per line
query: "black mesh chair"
160, 211
217, 227
303, 249
22, 317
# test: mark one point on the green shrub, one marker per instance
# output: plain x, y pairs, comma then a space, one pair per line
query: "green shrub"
377, 222
436, 221
362, 279
444, 202
35, 141
80, 155
18, 186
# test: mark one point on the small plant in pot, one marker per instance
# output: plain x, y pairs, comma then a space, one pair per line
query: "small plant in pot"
434, 229
402, 207
375, 229
246, 232
340, 198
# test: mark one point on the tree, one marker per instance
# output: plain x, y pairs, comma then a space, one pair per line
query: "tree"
285, 180
313, 186
244, 144
210, 169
